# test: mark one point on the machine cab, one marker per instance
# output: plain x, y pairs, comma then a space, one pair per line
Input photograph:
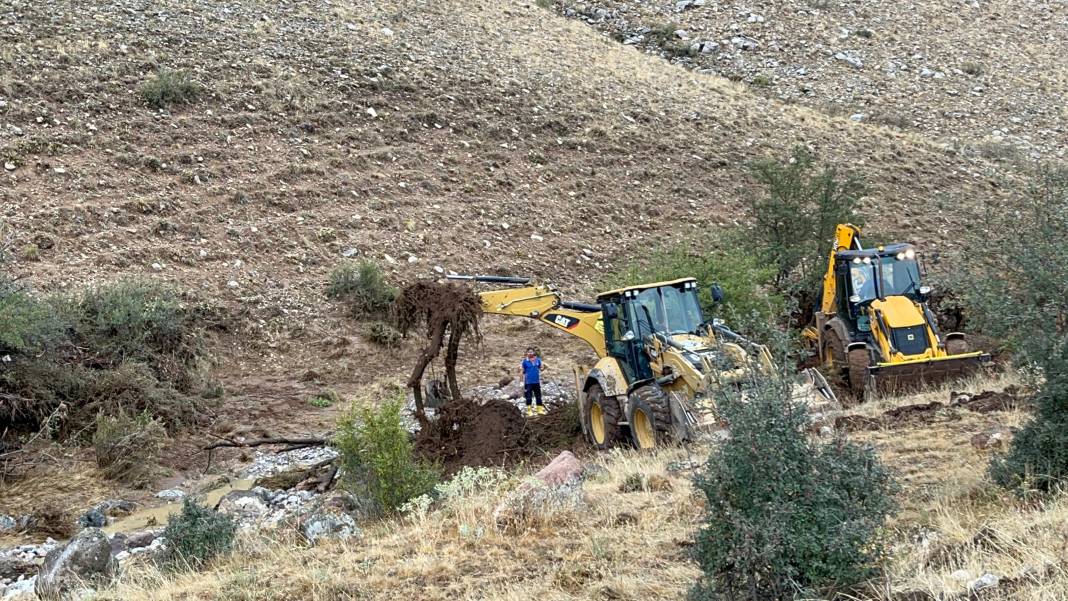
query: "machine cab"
632, 314
874, 276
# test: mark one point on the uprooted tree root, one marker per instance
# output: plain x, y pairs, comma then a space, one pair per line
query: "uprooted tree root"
445, 309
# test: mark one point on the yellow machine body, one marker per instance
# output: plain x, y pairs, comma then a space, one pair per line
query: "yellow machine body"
874, 327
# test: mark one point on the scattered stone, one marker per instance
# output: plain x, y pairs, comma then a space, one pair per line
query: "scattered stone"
137, 540
86, 559
94, 518
170, 495
8, 523
745, 43
11, 567
858, 117
990, 440
246, 507
330, 519
849, 59
9, 166
983, 582
115, 507
21, 590
118, 543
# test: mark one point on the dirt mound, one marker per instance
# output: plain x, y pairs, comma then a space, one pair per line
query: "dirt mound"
907, 415
494, 434
988, 401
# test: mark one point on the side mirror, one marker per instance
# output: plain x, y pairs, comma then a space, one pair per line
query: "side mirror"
925, 290
717, 293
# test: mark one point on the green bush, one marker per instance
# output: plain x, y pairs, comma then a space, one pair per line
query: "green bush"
787, 515
383, 334
129, 347
377, 460
28, 324
168, 88
747, 285
1014, 278
196, 535
127, 446
362, 286
794, 221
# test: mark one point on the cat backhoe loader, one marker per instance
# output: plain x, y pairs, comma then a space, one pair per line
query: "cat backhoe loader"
874, 330
658, 362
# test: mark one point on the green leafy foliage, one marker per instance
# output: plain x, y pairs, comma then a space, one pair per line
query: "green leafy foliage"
794, 220
1014, 281
362, 286
786, 514
196, 535
129, 347
383, 334
377, 459
747, 285
28, 324
169, 88
1014, 269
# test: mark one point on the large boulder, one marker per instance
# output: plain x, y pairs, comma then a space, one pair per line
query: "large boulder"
553, 492
85, 560
563, 469
332, 518
245, 507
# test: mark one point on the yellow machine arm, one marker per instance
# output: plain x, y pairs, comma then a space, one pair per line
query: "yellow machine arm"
545, 305
846, 237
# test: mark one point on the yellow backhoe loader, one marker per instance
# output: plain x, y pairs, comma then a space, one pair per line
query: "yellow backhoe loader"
658, 362
874, 330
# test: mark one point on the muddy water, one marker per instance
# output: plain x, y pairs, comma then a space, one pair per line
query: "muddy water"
157, 516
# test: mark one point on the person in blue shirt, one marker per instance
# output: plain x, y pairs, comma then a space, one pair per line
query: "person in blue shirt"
531, 370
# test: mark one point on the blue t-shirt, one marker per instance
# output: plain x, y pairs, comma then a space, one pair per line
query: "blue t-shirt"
532, 371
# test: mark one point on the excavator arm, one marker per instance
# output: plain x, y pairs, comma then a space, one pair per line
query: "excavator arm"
543, 304
846, 237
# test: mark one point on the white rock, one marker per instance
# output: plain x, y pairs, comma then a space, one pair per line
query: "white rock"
9, 166
171, 494
372, 112
985, 581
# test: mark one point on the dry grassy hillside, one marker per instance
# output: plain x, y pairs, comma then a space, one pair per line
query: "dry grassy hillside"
419, 134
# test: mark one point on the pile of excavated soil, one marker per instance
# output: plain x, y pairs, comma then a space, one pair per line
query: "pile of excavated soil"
495, 434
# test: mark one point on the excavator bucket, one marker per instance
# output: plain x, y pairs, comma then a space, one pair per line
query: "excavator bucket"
910, 375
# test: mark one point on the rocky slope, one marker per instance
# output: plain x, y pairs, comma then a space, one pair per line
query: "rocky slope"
985, 77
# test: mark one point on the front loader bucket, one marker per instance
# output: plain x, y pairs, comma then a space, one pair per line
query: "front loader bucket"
911, 375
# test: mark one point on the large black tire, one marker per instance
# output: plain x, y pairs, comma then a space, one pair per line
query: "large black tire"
834, 354
659, 405
643, 432
601, 416
859, 360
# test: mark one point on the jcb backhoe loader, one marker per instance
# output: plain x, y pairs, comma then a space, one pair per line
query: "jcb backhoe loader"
873, 330
658, 358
